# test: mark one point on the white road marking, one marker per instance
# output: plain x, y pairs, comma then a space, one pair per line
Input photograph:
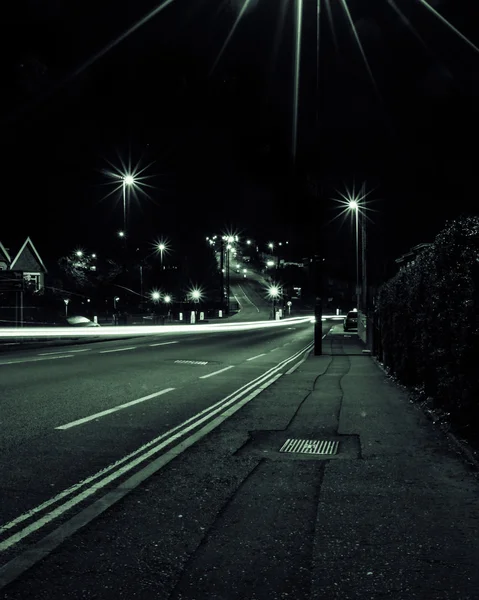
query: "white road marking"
257, 356
82, 350
274, 349
117, 350
216, 372
247, 297
163, 343
31, 556
112, 410
18, 362
56, 352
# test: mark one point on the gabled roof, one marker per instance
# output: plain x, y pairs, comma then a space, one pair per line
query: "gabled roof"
4, 254
28, 244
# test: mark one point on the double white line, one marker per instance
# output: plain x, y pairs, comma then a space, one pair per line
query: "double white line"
215, 414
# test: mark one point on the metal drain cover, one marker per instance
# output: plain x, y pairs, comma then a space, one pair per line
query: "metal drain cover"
310, 446
192, 362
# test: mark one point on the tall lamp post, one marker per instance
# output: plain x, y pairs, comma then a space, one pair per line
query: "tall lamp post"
274, 293
161, 248
128, 180
230, 239
354, 206
167, 299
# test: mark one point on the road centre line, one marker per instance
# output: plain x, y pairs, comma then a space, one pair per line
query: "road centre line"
163, 343
247, 298
257, 356
19, 565
81, 350
112, 410
274, 349
216, 372
14, 568
117, 350
56, 352
25, 360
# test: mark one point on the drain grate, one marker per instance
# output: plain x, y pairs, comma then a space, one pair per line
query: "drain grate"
310, 446
192, 362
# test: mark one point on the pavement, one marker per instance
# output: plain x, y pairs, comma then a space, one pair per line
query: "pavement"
224, 515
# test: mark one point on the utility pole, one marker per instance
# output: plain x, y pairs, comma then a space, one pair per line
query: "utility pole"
364, 288
318, 275
318, 305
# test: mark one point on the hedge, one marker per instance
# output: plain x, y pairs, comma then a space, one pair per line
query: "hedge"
428, 322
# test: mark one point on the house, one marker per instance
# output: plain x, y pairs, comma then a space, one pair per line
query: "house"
26, 260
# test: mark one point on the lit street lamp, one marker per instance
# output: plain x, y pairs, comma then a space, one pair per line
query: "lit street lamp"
128, 181
195, 295
354, 207
355, 203
274, 292
167, 299
161, 248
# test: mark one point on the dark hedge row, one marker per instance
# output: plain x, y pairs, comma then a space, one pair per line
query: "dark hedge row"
429, 326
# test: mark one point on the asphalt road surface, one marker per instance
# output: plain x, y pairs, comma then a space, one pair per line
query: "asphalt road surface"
72, 415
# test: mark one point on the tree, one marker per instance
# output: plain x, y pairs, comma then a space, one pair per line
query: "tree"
86, 273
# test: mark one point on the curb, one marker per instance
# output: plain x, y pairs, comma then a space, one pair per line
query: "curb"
463, 446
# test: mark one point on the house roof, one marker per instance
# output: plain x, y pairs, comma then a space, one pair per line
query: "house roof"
4, 254
27, 245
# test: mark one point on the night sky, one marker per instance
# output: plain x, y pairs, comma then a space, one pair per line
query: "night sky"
216, 146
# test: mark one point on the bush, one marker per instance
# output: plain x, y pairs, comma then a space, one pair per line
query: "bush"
429, 321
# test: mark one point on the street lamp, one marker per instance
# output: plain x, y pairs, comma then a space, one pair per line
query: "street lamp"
353, 206
274, 292
161, 248
196, 295
167, 299
128, 181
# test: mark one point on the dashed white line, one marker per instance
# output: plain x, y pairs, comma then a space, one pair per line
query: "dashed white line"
18, 362
274, 349
163, 343
82, 350
117, 350
62, 352
112, 410
57, 352
216, 372
257, 356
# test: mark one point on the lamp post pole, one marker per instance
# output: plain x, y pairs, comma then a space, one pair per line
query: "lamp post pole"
228, 280
364, 290
222, 268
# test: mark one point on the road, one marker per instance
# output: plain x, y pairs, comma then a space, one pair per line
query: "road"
251, 295
74, 413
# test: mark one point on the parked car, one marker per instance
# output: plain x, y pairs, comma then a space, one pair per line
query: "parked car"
78, 321
350, 320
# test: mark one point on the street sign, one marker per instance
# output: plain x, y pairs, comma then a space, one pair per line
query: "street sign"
11, 281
